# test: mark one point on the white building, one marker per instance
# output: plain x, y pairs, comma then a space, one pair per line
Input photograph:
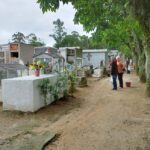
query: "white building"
72, 55
112, 54
95, 57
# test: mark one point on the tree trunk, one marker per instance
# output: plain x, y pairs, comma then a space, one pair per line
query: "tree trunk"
140, 57
137, 50
147, 68
147, 64
136, 58
141, 65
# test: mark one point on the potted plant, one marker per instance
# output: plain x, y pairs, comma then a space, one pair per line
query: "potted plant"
36, 66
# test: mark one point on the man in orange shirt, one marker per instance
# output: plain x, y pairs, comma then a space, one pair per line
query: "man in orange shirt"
120, 68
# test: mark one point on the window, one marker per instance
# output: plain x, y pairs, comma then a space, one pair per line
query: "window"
14, 54
70, 52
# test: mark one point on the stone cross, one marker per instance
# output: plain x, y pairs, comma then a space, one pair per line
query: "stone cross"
89, 56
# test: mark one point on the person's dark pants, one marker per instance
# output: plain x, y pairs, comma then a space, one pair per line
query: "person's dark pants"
114, 78
120, 78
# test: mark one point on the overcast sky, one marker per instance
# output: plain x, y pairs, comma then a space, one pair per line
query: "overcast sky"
25, 16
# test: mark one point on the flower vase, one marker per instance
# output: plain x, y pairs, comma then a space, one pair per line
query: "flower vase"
37, 72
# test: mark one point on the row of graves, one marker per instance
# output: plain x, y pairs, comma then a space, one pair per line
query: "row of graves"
52, 74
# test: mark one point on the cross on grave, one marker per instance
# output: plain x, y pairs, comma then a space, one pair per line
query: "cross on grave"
89, 56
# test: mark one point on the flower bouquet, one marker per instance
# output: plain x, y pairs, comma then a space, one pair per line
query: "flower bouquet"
36, 66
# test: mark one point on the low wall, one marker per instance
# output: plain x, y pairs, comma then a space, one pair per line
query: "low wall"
23, 94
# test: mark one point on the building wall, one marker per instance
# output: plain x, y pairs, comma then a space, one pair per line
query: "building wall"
112, 54
26, 53
22, 50
2, 54
71, 58
63, 52
5, 49
2, 57
94, 58
79, 53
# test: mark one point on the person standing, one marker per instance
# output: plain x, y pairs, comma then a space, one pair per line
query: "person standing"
120, 68
114, 73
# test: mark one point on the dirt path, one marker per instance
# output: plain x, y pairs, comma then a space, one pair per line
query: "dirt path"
96, 119
106, 120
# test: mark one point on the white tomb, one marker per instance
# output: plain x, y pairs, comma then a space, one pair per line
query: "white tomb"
23, 94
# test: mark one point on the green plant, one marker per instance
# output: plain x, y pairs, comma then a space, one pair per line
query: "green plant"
47, 89
59, 86
72, 81
44, 87
3, 75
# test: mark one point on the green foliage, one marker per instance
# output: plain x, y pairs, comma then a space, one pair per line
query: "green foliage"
33, 40
59, 87
72, 79
47, 88
70, 40
140, 9
59, 32
18, 37
3, 75
84, 42
52, 5
30, 39
74, 39
112, 22
105, 18
100, 14
44, 87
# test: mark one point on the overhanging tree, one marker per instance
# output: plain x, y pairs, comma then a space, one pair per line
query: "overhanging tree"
100, 15
141, 10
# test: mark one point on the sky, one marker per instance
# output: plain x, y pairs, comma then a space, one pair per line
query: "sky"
26, 16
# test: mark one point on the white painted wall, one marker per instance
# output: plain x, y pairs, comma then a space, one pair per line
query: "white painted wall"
95, 58
63, 52
23, 94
